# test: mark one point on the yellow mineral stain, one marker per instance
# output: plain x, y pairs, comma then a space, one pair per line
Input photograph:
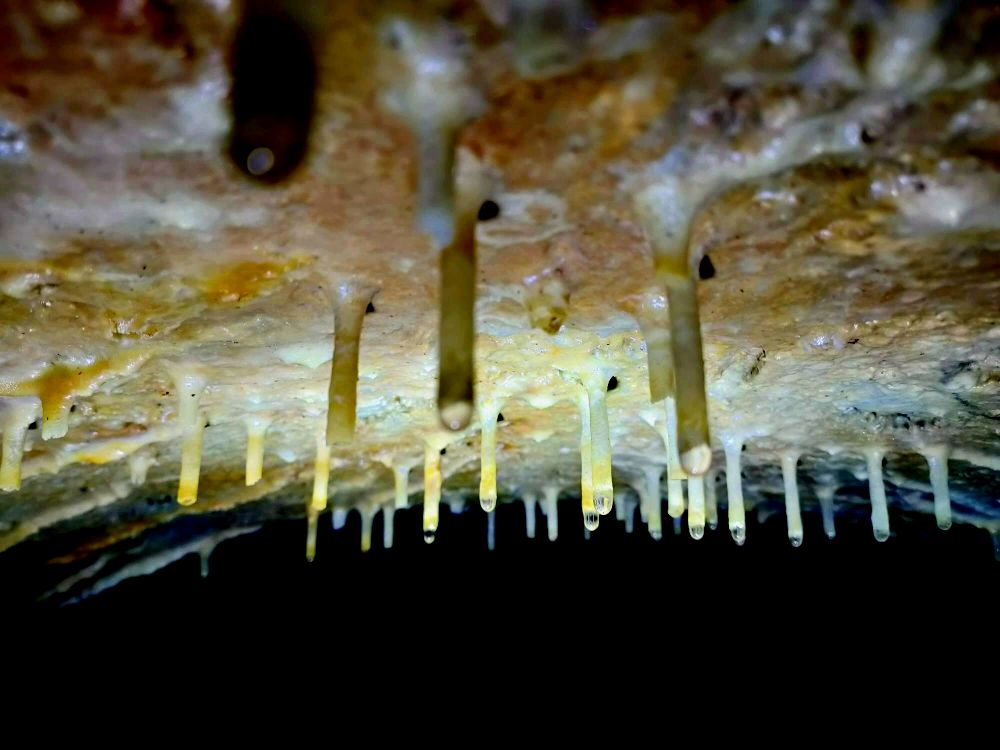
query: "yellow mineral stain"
59, 384
106, 451
248, 279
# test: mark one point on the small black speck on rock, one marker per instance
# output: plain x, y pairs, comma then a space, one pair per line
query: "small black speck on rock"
500, 417
443, 451
488, 211
706, 269
370, 308
613, 383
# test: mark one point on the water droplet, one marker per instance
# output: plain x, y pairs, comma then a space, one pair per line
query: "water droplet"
591, 521
657, 535
739, 534
881, 535
795, 539
429, 535
714, 524
488, 503
944, 525
697, 531
603, 503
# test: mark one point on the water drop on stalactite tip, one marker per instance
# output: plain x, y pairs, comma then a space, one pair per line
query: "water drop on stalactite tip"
488, 457
696, 507
649, 498
738, 533
711, 502
432, 488
793, 513
586, 467
734, 489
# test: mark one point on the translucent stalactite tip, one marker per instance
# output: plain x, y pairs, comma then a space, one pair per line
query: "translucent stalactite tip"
739, 534
697, 531
603, 503
591, 520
